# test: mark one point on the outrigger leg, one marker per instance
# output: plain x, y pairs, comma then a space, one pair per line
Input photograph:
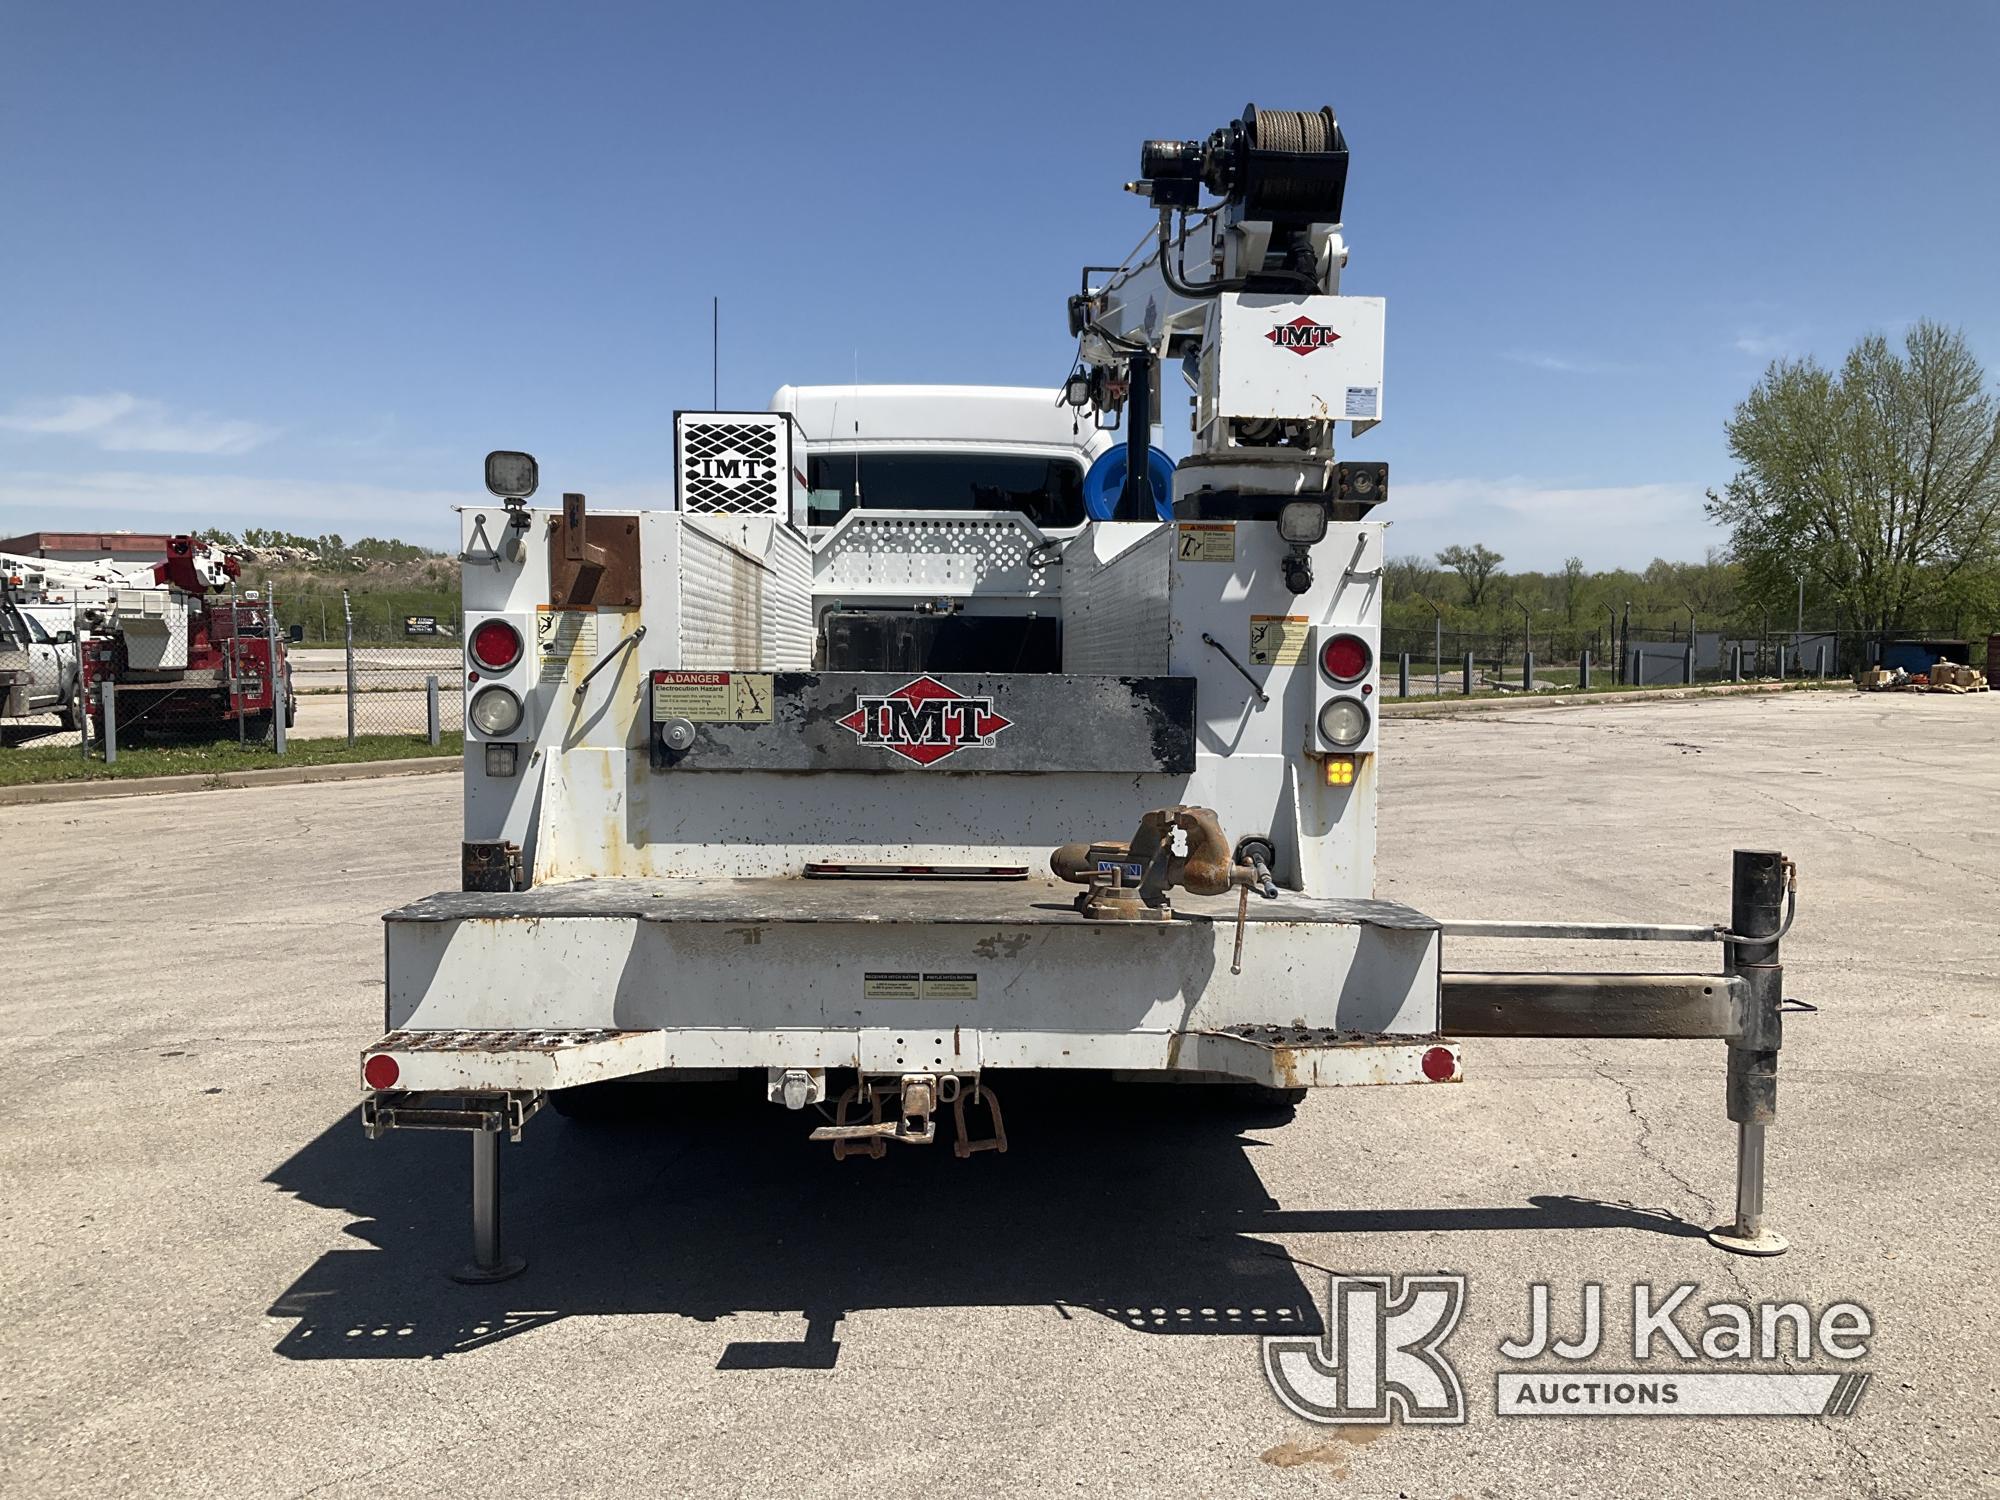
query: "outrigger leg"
488, 1262
1761, 881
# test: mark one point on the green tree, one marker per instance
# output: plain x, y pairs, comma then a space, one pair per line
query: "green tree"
1880, 484
1477, 565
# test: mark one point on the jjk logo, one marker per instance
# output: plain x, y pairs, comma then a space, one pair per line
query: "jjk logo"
924, 721
1380, 1359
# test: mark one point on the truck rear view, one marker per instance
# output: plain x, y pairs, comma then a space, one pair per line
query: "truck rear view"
938, 731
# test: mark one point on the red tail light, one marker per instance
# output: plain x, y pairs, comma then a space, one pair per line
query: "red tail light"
1439, 1064
1346, 658
495, 645
381, 1071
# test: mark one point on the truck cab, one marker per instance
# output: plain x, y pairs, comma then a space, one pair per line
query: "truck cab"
41, 641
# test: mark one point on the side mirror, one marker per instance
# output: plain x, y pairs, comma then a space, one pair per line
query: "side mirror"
512, 476
65, 637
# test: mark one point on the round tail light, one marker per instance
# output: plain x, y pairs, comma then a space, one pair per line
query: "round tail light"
1439, 1064
495, 645
381, 1071
1346, 658
494, 711
1343, 722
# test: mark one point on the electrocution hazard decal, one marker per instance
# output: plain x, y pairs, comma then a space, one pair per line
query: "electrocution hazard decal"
713, 697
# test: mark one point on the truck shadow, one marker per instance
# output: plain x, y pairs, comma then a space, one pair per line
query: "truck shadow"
1133, 1212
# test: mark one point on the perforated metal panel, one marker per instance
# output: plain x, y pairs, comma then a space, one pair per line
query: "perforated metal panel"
1115, 614
733, 463
904, 552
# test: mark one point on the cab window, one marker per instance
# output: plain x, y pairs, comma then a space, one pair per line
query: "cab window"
1048, 491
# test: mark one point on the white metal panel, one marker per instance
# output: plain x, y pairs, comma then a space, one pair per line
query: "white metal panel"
788, 604
1134, 986
154, 623
1303, 358
722, 602
1251, 755
448, 1061
928, 554
973, 418
745, 595
1115, 613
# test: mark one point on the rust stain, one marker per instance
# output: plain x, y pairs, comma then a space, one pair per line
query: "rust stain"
1334, 1450
1292, 1455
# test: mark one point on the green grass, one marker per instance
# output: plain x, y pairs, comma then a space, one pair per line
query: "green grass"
28, 764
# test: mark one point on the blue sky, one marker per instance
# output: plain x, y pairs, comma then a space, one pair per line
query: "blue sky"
302, 266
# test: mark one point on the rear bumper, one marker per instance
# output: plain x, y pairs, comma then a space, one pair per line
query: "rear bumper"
570, 983
414, 1063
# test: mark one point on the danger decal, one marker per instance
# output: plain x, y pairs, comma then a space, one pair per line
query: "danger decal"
1302, 336
924, 721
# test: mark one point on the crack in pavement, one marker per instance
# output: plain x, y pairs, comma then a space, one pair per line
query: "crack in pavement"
1644, 1142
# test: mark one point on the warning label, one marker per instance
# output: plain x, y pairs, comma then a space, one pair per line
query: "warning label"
908, 985
1278, 640
713, 697
1208, 541
562, 635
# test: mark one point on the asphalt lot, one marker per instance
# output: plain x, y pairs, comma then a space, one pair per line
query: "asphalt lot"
214, 1285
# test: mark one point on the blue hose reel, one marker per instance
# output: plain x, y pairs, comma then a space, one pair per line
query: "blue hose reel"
1104, 486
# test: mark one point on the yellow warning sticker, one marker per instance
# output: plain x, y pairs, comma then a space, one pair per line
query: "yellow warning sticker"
1278, 640
1207, 541
562, 635
713, 697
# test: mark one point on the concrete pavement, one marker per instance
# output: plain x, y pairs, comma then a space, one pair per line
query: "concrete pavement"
216, 1286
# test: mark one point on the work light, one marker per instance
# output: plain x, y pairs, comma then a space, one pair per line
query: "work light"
495, 710
1343, 722
1302, 522
512, 476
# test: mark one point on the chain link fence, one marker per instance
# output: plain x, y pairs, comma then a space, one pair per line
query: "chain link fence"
1616, 654
389, 689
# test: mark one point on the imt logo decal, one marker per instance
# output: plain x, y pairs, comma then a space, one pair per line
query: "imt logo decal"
924, 721
732, 469
1302, 336
1380, 1357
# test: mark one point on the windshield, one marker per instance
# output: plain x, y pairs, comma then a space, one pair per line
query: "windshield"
1048, 491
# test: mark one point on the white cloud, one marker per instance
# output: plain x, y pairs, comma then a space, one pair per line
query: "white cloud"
119, 422
1564, 364
1760, 343
1535, 525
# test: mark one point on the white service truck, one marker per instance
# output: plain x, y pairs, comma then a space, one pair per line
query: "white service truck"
902, 749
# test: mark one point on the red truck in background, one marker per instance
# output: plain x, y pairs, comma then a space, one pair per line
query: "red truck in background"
187, 653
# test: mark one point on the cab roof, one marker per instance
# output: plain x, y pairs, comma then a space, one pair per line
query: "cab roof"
984, 416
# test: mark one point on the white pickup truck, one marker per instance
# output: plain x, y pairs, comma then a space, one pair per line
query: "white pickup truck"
40, 643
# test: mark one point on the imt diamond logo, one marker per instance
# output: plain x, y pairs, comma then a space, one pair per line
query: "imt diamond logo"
1302, 336
924, 721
